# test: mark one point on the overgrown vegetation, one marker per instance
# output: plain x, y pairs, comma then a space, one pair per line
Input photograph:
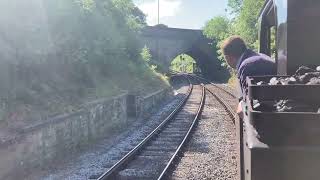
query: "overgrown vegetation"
244, 20
182, 63
58, 54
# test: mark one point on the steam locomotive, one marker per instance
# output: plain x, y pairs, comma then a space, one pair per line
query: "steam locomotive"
283, 145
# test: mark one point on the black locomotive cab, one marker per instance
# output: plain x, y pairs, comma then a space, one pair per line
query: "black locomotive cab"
277, 143
289, 31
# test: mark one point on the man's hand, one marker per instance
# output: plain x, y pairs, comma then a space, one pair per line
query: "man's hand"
239, 110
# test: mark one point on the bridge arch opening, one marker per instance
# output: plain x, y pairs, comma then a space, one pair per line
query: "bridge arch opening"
183, 63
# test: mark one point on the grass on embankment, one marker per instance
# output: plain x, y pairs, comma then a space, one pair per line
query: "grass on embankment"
68, 53
52, 91
232, 82
133, 79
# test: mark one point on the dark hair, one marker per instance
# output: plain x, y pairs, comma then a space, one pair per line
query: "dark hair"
234, 46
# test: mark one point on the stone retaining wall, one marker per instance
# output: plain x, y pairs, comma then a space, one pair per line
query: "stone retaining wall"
60, 137
63, 135
144, 105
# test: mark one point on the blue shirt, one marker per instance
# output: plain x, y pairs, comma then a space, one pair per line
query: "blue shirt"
253, 64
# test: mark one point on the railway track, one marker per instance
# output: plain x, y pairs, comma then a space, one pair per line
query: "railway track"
224, 96
226, 105
154, 156
215, 135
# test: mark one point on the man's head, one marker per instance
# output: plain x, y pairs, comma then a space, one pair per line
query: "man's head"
232, 49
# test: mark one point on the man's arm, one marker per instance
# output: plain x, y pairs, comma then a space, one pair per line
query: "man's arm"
244, 71
239, 110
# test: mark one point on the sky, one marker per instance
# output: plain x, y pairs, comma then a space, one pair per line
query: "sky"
189, 14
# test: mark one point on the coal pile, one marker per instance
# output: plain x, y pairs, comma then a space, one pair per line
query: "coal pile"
304, 76
285, 106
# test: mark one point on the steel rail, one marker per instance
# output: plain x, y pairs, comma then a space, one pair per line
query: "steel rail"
228, 92
108, 174
230, 110
164, 173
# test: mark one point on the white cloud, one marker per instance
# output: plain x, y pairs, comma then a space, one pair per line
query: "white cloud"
168, 8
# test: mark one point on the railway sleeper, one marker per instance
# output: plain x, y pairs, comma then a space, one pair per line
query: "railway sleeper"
166, 148
148, 163
190, 109
183, 115
169, 140
156, 153
165, 143
134, 174
178, 132
180, 118
181, 126
175, 136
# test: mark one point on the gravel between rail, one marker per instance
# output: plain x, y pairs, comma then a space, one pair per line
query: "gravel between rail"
211, 152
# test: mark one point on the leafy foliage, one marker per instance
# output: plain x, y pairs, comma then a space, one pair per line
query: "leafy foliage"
182, 63
145, 54
87, 5
70, 50
243, 23
235, 6
217, 28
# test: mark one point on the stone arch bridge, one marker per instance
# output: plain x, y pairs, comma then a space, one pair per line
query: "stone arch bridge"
167, 43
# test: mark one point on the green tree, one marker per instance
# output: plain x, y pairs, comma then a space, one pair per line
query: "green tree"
245, 23
145, 54
235, 6
87, 5
135, 18
182, 63
217, 28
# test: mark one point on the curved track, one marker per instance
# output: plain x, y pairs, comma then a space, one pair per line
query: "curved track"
220, 92
212, 151
224, 96
154, 156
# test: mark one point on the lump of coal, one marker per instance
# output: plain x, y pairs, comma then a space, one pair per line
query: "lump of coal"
261, 83
314, 81
289, 80
303, 70
274, 81
255, 103
307, 77
294, 106
282, 106
266, 106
